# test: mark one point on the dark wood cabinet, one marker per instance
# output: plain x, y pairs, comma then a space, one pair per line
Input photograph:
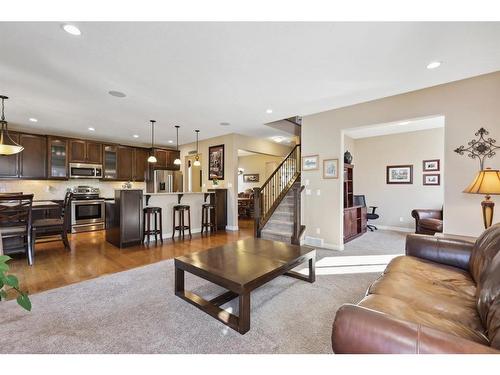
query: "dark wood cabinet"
82, 151
110, 162
165, 159
9, 164
125, 158
141, 164
94, 152
57, 158
171, 156
33, 159
219, 197
124, 218
354, 216
161, 158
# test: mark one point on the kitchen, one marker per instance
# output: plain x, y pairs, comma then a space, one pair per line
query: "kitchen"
94, 171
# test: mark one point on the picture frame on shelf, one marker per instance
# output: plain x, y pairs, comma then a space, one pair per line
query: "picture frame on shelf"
431, 165
331, 168
399, 174
432, 179
216, 162
310, 163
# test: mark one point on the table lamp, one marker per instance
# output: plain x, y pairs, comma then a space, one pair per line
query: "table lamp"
487, 182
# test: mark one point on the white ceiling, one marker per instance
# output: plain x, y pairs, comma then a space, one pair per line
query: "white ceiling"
197, 75
403, 126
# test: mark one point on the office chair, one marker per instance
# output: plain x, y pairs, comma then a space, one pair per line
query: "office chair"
360, 200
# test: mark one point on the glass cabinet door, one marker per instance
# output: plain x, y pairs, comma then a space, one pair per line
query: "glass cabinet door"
110, 163
58, 158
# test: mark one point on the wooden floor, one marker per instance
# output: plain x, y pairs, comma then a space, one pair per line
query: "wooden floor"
91, 256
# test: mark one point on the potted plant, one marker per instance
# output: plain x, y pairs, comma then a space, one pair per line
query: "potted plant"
10, 282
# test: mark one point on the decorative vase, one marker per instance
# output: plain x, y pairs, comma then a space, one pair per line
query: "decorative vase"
347, 157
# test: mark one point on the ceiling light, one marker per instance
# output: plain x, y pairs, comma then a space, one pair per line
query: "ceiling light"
32, 119
278, 139
197, 157
136, 136
177, 161
92, 129
152, 158
269, 111
433, 65
404, 123
170, 141
7, 144
117, 94
225, 124
72, 29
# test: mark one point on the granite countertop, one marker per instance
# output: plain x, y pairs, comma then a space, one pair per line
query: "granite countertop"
181, 192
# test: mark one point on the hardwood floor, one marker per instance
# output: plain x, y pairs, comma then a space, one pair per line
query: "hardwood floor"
91, 256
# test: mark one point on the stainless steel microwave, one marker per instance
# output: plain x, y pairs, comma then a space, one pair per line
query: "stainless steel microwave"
83, 170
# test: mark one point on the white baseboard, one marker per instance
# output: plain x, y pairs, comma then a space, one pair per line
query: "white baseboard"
232, 228
331, 246
397, 229
320, 243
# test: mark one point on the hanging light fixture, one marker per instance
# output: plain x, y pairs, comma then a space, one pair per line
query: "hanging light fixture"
7, 144
197, 158
152, 158
177, 161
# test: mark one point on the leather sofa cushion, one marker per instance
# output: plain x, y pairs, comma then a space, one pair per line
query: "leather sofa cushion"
432, 224
441, 292
405, 311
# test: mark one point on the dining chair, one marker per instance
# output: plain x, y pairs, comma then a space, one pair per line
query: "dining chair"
15, 224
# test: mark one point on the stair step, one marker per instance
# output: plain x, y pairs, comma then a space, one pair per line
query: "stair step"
275, 235
279, 225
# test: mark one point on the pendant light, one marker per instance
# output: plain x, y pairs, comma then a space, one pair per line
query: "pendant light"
152, 158
7, 144
177, 161
197, 158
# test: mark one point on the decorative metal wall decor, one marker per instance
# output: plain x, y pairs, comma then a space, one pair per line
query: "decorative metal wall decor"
480, 148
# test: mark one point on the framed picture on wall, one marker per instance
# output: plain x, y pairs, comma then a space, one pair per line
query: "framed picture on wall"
432, 179
310, 163
252, 177
331, 168
399, 174
431, 165
216, 162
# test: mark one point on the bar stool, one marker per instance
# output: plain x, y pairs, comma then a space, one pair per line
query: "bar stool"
148, 214
206, 218
181, 209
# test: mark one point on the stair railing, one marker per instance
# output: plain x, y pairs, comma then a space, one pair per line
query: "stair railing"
268, 197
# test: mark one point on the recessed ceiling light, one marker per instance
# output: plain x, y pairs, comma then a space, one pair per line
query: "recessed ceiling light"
72, 29
92, 129
269, 110
225, 124
434, 65
404, 122
170, 141
278, 139
117, 94
32, 119
136, 136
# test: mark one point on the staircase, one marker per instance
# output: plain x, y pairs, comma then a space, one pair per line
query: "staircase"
277, 202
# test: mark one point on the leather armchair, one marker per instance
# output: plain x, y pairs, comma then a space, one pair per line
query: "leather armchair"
428, 221
429, 301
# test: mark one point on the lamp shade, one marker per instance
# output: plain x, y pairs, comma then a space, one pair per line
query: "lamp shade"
486, 182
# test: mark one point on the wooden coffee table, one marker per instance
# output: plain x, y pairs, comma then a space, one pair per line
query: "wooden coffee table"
240, 267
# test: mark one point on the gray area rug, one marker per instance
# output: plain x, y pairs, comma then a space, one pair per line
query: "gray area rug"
136, 311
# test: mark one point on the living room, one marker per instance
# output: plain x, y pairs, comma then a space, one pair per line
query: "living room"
173, 186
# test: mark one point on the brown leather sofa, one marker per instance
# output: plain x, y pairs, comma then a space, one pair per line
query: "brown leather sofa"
442, 297
428, 221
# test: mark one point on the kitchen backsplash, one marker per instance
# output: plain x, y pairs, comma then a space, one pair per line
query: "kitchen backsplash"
53, 189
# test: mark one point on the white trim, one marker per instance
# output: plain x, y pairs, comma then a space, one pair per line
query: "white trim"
331, 246
232, 228
313, 242
397, 229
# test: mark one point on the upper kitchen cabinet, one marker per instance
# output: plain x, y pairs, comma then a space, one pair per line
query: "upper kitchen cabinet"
165, 159
141, 164
171, 156
110, 162
57, 158
33, 159
161, 158
125, 157
82, 151
9, 164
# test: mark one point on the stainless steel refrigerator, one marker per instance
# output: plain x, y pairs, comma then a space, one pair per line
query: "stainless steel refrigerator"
168, 181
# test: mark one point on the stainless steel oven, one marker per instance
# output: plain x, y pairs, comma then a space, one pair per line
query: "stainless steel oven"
87, 210
83, 170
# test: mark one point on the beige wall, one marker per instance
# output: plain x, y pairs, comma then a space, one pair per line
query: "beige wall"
232, 143
395, 202
255, 164
467, 105
53, 189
